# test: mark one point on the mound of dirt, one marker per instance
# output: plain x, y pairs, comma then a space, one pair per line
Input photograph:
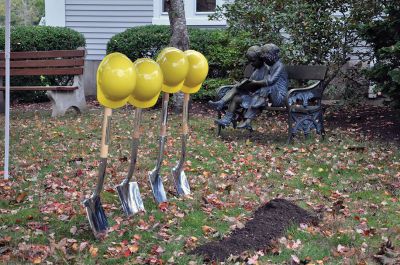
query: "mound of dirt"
269, 222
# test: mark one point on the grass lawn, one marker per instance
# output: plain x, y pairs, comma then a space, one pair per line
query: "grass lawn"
349, 182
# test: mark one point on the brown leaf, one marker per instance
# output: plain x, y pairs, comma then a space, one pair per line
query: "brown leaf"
21, 197
93, 251
207, 229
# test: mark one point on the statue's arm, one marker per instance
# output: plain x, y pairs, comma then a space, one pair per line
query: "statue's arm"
273, 77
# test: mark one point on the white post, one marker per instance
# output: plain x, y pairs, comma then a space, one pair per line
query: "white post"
7, 107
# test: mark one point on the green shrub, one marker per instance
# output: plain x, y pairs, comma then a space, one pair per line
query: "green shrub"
207, 91
223, 52
384, 37
139, 42
40, 38
215, 45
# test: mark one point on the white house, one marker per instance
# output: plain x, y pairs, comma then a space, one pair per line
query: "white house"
99, 20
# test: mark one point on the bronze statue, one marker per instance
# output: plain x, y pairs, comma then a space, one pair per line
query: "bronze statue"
239, 90
274, 86
267, 86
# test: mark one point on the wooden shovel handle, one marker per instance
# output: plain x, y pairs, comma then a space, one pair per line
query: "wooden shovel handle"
185, 125
105, 133
164, 115
137, 121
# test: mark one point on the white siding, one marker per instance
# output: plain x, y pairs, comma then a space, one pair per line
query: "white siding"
99, 20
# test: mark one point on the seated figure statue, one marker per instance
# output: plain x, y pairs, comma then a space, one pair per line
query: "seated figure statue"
273, 87
238, 91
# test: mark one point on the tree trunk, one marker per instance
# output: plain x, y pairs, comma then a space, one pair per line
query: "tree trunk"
179, 38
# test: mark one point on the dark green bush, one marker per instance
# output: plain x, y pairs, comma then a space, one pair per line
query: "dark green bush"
384, 37
207, 91
40, 38
139, 42
224, 53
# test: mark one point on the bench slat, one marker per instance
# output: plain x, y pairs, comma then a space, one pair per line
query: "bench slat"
44, 54
306, 72
27, 88
44, 71
44, 63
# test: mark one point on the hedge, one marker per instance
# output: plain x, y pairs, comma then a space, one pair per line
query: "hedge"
40, 38
220, 49
208, 89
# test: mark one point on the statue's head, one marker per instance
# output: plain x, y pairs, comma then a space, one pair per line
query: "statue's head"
253, 55
270, 53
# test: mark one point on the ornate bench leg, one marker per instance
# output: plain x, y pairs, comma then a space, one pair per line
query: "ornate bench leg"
63, 100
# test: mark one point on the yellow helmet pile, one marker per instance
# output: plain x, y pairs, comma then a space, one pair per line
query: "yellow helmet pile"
120, 81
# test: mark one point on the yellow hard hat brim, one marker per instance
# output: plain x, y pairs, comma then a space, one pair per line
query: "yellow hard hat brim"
143, 104
172, 89
190, 90
112, 104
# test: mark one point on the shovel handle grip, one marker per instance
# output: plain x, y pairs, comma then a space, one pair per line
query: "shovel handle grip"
105, 133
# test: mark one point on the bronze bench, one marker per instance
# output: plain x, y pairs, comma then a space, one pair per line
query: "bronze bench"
303, 104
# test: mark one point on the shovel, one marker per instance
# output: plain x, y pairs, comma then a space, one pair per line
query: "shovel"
94, 209
128, 192
181, 183
154, 176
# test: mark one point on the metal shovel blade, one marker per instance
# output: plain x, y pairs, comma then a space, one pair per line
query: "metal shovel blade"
129, 195
157, 186
181, 183
96, 215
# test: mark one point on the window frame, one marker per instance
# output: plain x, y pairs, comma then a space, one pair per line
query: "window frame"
193, 18
204, 12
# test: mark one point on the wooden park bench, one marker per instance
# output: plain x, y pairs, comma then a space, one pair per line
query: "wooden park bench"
49, 63
303, 105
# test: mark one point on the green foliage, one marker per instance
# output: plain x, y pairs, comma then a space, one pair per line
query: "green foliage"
207, 91
261, 19
308, 32
23, 12
43, 38
140, 42
384, 36
223, 53
40, 38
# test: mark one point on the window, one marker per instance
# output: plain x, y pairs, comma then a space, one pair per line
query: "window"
205, 5
196, 11
201, 6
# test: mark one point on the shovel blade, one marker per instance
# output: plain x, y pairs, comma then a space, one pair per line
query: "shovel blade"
131, 200
181, 183
157, 187
96, 216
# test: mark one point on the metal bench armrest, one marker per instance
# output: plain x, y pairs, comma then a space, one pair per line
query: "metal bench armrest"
305, 94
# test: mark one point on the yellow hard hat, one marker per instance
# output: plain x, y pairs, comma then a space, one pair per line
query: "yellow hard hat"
175, 66
116, 80
198, 70
148, 83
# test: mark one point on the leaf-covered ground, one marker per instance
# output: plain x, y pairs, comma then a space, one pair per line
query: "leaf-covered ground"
349, 180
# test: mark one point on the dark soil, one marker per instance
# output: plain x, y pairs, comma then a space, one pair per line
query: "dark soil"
371, 122
269, 222
377, 123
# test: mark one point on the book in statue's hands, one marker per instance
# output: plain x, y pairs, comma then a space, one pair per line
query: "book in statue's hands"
243, 83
